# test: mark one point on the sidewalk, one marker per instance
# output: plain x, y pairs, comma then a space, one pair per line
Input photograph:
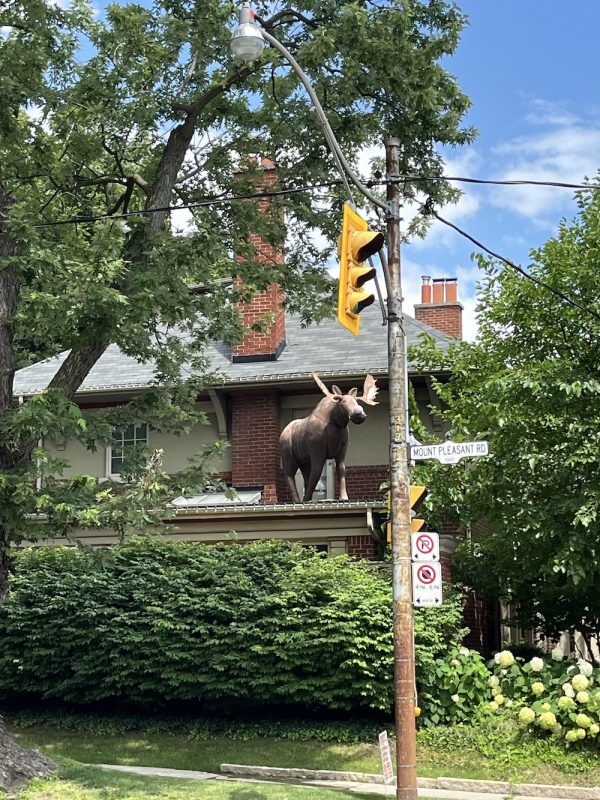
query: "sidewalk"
443, 788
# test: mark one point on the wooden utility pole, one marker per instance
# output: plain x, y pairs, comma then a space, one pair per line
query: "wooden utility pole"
404, 667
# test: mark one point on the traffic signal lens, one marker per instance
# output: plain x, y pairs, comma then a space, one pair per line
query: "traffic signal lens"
359, 300
360, 275
365, 244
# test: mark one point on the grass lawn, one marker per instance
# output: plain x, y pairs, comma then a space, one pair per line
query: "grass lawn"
450, 752
77, 782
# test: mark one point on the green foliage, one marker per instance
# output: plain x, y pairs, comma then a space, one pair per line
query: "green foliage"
198, 728
530, 385
555, 697
506, 749
150, 623
454, 689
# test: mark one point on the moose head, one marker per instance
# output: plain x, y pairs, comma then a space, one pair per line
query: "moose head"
306, 444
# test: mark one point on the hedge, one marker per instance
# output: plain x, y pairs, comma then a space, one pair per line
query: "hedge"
151, 622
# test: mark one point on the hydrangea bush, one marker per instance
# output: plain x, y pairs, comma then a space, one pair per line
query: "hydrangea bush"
453, 688
557, 696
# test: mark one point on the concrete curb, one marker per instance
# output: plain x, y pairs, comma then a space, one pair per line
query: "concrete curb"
450, 784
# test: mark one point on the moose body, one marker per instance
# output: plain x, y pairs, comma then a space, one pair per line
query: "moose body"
305, 444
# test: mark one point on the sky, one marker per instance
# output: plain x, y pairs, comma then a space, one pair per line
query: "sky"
531, 69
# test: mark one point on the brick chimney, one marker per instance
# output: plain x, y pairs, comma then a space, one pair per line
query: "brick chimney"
265, 346
439, 306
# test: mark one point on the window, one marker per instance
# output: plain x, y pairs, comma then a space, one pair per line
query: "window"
325, 488
124, 440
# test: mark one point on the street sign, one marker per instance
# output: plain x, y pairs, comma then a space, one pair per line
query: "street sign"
427, 583
425, 546
448, 452
386, 758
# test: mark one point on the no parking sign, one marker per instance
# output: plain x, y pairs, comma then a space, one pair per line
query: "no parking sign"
425, 546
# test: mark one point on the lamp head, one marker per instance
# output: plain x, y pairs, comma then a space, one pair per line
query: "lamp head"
247, 41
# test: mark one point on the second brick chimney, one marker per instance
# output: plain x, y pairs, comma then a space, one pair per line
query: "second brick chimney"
263, 346
439, 306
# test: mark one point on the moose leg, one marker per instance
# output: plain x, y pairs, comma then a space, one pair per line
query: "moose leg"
291, 484
315, 473
340, 470
289, 467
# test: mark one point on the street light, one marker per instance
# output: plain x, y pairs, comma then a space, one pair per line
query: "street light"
248, 41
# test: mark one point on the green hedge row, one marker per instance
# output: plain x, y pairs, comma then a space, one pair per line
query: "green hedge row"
152, 622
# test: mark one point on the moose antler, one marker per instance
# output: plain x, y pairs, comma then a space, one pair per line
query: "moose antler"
336, 390
369, 392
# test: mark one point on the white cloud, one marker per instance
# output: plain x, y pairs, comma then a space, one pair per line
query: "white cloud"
569, 153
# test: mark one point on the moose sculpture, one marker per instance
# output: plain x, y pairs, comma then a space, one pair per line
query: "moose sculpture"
306, 443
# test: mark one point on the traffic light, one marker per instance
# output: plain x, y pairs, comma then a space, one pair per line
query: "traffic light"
357, 243
417, 495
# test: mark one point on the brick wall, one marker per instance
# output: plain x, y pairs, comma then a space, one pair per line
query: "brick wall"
446, 318
439, 305
255, 427
269, 344
361, 547
363, 483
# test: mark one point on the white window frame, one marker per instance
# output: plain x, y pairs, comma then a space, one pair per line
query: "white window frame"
117, 476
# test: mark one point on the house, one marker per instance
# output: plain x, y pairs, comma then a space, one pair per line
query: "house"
267, 379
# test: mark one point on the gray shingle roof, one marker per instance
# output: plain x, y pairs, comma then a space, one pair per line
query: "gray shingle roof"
327, 348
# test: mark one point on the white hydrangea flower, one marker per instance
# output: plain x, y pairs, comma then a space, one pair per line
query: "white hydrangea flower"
594, 729
568, 689
583, 721
557, 654
464, 651
503, 672
537, 687
526, 715
585, 668
493, 680
493, 705
580, 733
579, 682
582, 697
499, 698
455, 662
547, 720
497, 658
536, 664
508, 703
506, 658
455, 698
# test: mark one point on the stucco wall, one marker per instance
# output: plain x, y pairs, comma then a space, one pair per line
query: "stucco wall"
176, 449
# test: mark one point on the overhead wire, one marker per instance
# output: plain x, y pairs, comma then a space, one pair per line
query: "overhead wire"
427, 208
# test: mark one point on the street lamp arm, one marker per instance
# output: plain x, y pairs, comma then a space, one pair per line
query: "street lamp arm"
286, 13
343, 165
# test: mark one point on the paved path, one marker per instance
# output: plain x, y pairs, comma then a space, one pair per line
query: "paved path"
349, 786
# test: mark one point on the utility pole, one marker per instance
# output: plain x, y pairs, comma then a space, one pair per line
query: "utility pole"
404, 666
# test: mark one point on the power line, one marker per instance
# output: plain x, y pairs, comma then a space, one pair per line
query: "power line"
428, 209
486, 182
223, 199
212, 201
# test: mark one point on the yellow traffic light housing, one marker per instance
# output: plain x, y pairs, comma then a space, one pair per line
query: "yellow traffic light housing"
417, 496
357, 244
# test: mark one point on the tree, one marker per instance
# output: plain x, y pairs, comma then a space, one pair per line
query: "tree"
144, 109
530, 384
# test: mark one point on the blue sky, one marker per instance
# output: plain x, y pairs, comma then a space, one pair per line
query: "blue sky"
531, 69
